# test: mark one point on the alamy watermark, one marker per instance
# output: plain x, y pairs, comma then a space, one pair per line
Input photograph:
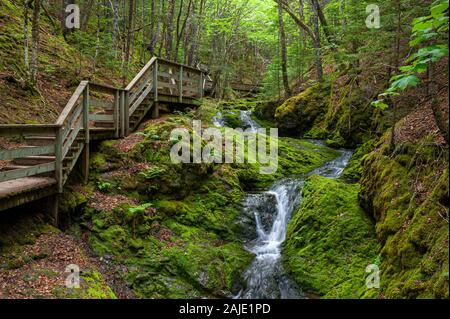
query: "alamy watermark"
73, 278
227, 146
373, 277
73, 16
373, 18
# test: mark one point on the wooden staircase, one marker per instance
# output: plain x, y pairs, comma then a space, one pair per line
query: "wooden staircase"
47, 154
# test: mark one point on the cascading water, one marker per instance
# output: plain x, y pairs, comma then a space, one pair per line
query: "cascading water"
217, 120
268, 214
266, 278
248, 122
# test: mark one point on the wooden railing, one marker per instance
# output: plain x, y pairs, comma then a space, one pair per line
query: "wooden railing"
53, 150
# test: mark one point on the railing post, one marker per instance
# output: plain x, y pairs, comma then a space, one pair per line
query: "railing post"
85, 154
122, 113
116, 115
127, 113
59, 159
180, 85
200, 89
155, 81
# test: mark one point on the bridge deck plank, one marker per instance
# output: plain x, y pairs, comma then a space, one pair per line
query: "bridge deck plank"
24, 185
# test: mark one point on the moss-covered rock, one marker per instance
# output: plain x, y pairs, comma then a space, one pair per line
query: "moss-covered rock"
330, 241
406, 191
298, 114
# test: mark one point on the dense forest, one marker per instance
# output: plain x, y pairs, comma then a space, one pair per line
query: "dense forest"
358, 206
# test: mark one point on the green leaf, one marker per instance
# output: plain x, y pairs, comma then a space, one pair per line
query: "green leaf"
379, 104
403, 81
439, 9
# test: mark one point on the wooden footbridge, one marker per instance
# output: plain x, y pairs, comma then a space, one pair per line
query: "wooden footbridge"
43, 156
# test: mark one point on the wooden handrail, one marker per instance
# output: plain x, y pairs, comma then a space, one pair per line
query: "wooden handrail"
72, 101
179, 65
140, 74
73, 124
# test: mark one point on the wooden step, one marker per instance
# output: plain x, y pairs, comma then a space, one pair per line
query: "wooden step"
33, 160
104, 124
12, 167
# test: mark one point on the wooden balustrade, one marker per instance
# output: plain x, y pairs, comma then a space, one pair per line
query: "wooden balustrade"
93, 111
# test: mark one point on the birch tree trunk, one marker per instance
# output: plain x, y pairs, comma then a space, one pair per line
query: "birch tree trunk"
26, 39
35, 42
287, 90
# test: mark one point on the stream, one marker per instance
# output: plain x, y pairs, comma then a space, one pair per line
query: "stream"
269, 213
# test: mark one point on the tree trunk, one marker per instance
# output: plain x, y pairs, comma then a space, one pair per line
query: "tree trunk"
317, 48
130, 34
86, 14
169, 29
26, 38
198, 27
287, 90
115, 32
35, 42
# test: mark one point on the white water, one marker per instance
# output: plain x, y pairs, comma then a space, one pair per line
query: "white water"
248, 121
266, 278
217, 120
244, 116
271, 210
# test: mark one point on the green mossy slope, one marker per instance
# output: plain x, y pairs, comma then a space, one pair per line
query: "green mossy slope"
336, 111
330, 241
174, 227
406, 190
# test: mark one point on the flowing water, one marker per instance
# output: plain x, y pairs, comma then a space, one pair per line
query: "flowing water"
266, 278
267, 215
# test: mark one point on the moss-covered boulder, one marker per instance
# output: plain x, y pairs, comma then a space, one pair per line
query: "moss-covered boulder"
406, 191
298, 114
330, 241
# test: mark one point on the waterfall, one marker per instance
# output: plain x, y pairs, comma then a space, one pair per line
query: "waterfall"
271, 211
266, 278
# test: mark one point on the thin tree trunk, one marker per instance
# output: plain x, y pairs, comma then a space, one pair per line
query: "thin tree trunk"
183, 28
26, 38
169, 29
115, 32
86, 14
130, 34
317, 48
287, 90
193, 51
35, 42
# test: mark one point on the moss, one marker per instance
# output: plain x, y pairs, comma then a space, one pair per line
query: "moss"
406, 190
97, 161
354, 169
330, 241
295, 157
71, 200
298, 114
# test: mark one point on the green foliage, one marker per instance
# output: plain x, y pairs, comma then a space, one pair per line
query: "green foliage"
426, 30
152, 172
104, 186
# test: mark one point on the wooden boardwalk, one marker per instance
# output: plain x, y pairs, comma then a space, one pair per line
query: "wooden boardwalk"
44, 156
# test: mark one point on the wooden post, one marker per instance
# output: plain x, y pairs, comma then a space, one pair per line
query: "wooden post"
155, 110
53, 209
180, 85
127, 112
122, 113
59, 159
116, 113
155, 81
200, 92
85, 155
